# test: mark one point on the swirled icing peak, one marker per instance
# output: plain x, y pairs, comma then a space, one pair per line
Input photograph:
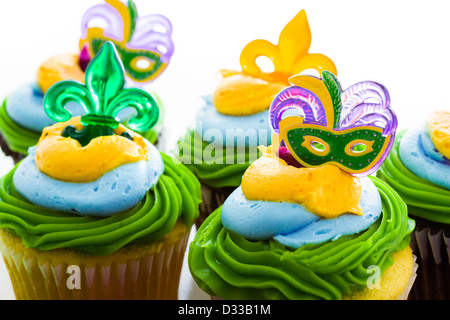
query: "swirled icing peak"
438, 126
252, 90
326, 191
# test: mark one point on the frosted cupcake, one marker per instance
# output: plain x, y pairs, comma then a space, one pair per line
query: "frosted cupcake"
233, 121
418, 168
22, 116
307, 222
95, 211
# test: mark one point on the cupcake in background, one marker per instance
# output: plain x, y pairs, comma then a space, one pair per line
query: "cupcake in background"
418, 168
22, 116
308, 221
233, 121
95, 211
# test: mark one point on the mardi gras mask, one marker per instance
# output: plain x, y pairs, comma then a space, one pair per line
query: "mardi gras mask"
319, 124
143, 43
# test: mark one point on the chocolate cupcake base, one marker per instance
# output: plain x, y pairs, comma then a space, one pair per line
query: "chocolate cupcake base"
212, 198
8, 152
430, 242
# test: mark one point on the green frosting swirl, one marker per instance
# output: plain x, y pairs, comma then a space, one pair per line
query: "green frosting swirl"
19, 139
221, 173
424, 199
176, 195
225, 264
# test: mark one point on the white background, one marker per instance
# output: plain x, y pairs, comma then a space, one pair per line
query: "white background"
403, 44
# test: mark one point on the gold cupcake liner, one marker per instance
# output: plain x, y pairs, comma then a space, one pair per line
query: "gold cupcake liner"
431, 243
407, 291
141, 272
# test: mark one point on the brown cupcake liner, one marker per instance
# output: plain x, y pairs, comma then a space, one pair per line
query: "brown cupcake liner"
128, 276
212, 198
430, 242
8, 152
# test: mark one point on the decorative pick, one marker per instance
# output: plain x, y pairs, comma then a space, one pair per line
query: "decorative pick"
84, 58
144, 43
290, 56
319, 124
102, 97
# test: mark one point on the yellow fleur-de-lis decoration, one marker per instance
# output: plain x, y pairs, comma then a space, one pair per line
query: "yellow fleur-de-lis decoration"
291, 56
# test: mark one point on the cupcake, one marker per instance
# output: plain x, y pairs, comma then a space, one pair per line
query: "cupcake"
22, 116
95, 211
418, 168
308, 221
233, 121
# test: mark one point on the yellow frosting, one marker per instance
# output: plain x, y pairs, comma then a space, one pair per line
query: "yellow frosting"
241, 95
438, 125
326, 190
60, 67
65, 159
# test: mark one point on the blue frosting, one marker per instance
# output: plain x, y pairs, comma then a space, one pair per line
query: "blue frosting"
25, 107
116, 191
429, 148
243, 131
255, 220
292, 224
418, 154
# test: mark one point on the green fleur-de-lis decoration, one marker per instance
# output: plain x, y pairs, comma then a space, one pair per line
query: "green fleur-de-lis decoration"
102, 97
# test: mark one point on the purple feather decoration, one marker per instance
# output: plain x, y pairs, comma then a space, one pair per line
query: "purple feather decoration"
153, 33
367, 103
109, 15
299, 100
